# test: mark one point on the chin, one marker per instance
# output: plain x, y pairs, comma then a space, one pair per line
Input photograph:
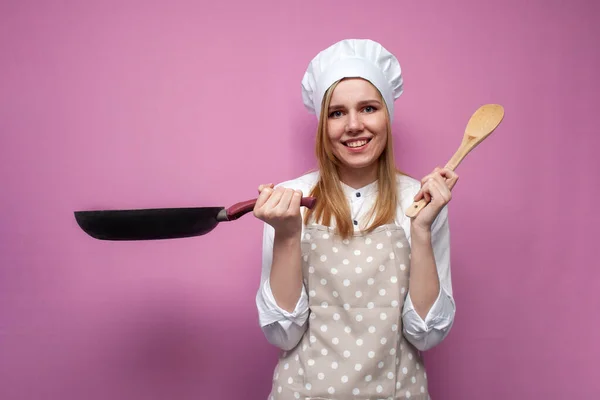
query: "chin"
358, 164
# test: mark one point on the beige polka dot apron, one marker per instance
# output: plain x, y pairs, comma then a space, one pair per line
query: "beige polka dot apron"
353, 347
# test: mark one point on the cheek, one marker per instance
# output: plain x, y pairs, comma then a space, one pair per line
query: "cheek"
381, 140
335, 131
336, 147
381, 129
381, 126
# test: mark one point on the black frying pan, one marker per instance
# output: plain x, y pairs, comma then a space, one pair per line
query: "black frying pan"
162, 223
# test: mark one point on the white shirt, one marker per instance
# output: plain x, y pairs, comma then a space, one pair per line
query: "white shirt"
285, 329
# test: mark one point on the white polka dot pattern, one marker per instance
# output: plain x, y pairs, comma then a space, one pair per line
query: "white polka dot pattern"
353, 346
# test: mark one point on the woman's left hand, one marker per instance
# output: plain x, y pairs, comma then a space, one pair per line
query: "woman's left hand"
436, 190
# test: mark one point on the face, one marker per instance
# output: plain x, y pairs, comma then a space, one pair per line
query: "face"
357, 125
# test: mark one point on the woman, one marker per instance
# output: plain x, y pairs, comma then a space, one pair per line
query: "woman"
353, 290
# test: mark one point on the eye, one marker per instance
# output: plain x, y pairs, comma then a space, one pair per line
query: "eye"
335, 114
369, 109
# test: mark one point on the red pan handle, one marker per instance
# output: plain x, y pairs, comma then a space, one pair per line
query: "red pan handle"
244, 207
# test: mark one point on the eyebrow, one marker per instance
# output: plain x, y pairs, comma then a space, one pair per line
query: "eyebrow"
360, 104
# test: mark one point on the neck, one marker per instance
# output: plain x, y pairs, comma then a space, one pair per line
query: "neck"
357, 178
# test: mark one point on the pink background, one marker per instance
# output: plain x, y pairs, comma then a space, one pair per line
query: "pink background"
123, 104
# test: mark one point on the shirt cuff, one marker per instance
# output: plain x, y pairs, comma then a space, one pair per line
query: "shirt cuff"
427, 333
270, 312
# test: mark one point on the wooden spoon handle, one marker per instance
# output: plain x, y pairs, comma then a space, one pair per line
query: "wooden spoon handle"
460, 154
415, 208
464, 149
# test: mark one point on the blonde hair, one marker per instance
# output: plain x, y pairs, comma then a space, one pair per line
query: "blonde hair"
332, 202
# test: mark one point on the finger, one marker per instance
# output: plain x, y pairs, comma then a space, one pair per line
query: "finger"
431, 190
440, 180
263, 197
450, 176
263, 186
294, 207
445, 176
446, 180
426, 178
448, 173
427, 196
439, 191
284, 201
274, 199
425, 192
435, 171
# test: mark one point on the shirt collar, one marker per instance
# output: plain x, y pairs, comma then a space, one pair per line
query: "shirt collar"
364, 191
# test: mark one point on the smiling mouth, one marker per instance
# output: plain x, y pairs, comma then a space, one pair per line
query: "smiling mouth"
356, 143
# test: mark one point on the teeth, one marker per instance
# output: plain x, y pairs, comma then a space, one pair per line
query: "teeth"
358, 143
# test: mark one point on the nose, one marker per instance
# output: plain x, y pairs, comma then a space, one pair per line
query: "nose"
354, 123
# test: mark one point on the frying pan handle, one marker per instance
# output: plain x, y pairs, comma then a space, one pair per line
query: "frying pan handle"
239, 209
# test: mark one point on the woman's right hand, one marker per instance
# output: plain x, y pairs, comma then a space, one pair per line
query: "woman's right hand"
280, 208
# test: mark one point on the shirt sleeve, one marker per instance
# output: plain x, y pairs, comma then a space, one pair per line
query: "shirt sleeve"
281, 328
428, 333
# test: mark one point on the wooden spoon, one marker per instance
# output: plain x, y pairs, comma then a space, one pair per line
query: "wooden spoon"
481, 124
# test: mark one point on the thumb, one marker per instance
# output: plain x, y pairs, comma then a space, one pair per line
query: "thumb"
418, 196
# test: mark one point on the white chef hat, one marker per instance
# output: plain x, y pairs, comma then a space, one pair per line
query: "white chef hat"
354, 58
